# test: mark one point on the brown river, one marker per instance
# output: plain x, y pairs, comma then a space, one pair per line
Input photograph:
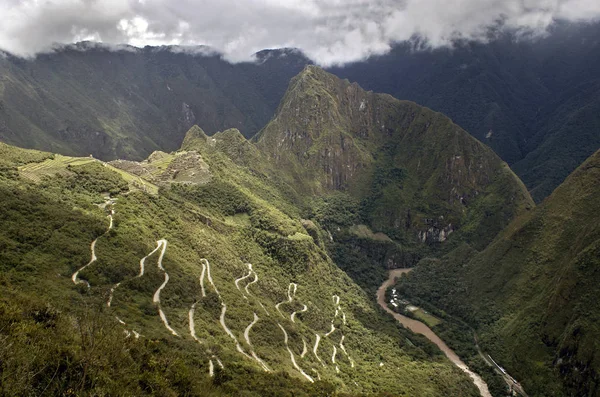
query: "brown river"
420, 328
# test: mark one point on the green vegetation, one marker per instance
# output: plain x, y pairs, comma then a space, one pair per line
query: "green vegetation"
427, 318
61, 338
536, 103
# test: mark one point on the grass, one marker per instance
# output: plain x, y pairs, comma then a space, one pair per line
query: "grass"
241, 220
53, 166
427, 318
363, 231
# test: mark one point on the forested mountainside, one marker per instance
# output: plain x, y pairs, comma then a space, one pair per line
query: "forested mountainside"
532, 294
197, 278
220, 268
127, 102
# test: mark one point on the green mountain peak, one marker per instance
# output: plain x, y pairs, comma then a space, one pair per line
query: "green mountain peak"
419, 174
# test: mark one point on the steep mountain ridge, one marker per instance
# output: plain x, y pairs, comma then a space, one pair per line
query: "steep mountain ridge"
226, 255
533, 101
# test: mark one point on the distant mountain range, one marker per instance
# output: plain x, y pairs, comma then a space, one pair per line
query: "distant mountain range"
535, 102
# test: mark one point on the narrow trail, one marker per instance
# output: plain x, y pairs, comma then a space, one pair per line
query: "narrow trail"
292, 357
228, 331
316, 348
127, 332
156, 297
316, 372
343, 348
420, 328
304, 348
264, 308
94, 258
291, 296
252, 353
142, 267
293, 316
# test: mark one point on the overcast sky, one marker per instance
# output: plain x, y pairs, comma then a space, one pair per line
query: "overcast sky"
328, 31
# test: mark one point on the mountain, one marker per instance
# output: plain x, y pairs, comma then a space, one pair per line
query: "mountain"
126, 102
532, 293
394, 167
534, 101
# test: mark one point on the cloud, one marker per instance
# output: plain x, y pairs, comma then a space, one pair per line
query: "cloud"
328, 31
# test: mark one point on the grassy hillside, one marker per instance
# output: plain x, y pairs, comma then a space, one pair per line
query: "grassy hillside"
532, 293
135, 331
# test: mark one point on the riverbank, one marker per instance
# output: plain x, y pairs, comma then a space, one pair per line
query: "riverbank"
420, 328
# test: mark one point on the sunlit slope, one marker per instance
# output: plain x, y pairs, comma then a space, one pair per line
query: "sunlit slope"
216, 278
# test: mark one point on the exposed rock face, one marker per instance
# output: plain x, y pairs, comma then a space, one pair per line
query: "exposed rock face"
435, 233
188, 116
316, 129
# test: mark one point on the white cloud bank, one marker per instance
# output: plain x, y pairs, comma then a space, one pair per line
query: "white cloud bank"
328, 31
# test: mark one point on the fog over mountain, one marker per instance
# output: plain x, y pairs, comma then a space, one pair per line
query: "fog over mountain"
328, 31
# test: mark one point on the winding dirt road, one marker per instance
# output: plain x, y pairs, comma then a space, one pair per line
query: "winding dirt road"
316, 348
252, 352
291, 296
343, 348
419, 328
142, 268
156, 297
75, 276
292, 357
237, 281
228, 331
